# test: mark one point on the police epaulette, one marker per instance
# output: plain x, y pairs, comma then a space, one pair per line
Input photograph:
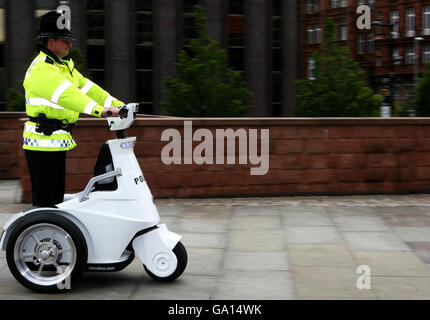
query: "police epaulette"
49, 60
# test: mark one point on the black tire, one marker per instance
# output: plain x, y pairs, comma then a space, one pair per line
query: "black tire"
45, 220
182, 257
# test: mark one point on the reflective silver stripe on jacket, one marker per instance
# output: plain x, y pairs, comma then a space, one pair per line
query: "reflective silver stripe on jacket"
42, 102
87, 86
31, 66
48, 143
108, 101
59, 90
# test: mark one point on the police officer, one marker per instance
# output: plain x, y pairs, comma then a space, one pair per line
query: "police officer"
55, 94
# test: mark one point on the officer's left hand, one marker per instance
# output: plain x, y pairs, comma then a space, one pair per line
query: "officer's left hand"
110, 112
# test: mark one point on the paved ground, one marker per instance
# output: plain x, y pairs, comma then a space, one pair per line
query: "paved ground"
271, 248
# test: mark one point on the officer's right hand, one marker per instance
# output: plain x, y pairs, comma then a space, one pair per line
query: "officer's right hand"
110, 112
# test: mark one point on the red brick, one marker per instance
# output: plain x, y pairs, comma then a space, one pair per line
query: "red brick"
423, 144
423, 131
314, 161
407, 159
376, 145
345, 175
403, 145
286, 146
404, 174
345, 146
316, 146
422, 159
156, 180
341, 132
318, 176
423, 173
381, 160
378, 175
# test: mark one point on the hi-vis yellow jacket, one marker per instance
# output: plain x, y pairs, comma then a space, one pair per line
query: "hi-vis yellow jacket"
55, 88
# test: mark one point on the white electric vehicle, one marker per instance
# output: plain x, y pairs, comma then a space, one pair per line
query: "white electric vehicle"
101, 228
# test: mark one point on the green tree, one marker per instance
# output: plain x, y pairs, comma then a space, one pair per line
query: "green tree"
420, 100
339, 88
204, 85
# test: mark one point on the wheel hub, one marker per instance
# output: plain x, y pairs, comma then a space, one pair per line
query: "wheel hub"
46, 253
162, 262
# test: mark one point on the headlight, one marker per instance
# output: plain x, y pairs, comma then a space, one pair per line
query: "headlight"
126, 145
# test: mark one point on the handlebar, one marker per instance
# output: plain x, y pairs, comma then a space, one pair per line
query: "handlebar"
126, 117
123, 113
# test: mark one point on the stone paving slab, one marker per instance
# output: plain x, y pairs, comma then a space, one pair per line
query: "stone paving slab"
260, 285
314, 234
392, 263
401, 288
328, 283
254, 261
374, 241
320, 255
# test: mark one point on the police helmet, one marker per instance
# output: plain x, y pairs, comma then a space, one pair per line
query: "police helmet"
49, 27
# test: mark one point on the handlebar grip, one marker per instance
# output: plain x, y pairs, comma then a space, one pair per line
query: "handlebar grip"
123, 113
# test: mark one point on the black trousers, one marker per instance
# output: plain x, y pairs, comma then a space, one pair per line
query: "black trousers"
48, 175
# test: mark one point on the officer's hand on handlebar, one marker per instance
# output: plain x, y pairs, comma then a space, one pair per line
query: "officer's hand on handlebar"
110, 112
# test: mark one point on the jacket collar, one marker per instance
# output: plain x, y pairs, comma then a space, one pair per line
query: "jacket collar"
52, 55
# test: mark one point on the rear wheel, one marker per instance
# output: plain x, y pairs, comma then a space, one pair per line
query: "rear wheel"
46, 251
182, 257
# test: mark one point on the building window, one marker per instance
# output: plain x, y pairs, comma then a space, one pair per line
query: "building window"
426, 20
338, 3
426, 53
314, 33
370, 43
378, 61
361, 43
396, 56
310, 34
188, 21
96, 41
318, 33
311, 68
394, 19
235, 38
144, 55
410, 22
410, 55
343, 29
188, 5
312, 6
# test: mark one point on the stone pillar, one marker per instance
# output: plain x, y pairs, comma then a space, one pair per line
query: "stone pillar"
20, 44
258, 53
167, 24
120, 49
79, 24
290, 54
216, 13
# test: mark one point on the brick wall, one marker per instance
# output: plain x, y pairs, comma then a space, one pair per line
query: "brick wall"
319, 156
10, 144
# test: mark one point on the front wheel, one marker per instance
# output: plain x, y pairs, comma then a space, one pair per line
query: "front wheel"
182, 257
